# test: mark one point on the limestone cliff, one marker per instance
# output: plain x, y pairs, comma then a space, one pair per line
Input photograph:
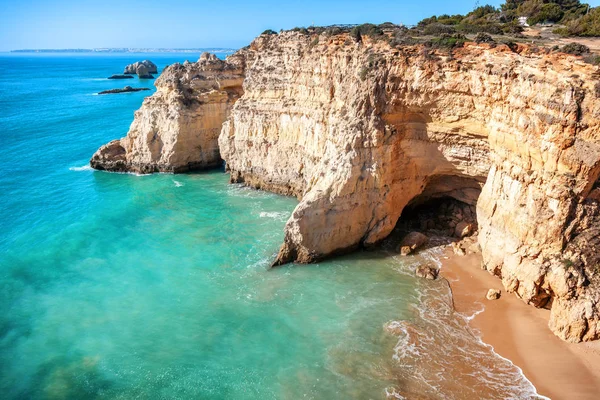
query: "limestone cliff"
176, 129
359, 130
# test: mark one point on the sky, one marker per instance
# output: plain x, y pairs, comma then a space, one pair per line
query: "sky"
60, 24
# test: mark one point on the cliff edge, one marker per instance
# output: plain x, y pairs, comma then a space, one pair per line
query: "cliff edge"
176, 129
358, 130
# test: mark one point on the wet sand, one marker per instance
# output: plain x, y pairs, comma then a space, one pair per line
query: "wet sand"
519, 332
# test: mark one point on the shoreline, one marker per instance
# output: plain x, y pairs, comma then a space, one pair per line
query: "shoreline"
520, 333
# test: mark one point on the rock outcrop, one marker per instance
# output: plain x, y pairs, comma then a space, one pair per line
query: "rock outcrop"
143, 72
126, 89
117, 76
412, 242
176, 129
359, 130
427, 272
151, 68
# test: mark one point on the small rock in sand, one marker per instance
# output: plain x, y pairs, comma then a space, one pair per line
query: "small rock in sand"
458, 250
493, 294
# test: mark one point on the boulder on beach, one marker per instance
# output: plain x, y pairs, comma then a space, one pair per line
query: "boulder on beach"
411, 242
493, 294
132, 68
463, 229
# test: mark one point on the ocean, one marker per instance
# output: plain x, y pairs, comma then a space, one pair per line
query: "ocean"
119, 286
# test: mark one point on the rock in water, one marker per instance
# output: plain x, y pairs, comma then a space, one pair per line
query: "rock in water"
427, 272
120, 77
124, 90
411, 242
142, 72
493, 294
132, 68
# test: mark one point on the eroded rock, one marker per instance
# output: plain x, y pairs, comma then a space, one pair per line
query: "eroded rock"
176, 129
412, 242
143, 72
427, 272
463, 229
358, 131
151, 68
493, 294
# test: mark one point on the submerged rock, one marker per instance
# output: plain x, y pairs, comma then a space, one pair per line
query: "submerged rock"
117, 76
126, 89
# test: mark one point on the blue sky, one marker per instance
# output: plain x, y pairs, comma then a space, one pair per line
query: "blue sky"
188, 23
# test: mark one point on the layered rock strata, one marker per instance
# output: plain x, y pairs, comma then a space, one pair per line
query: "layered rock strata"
176, 129
359, 130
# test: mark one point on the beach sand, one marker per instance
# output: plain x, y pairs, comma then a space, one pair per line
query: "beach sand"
520, 332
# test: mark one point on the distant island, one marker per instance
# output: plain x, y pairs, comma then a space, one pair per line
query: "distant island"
124, 50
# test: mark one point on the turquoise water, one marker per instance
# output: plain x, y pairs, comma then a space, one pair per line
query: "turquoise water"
119, 286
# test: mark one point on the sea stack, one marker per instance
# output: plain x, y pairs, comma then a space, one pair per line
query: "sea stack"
177, 128
133, 68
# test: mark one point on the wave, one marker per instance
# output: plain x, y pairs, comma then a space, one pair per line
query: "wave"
82, 168
441, 355
177, 183
279, 215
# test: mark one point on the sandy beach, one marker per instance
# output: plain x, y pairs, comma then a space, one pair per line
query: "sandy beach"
519, 332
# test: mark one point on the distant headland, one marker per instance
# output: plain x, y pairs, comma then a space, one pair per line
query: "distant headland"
125, 50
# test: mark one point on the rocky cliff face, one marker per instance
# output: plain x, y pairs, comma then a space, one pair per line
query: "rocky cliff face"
358, 131
176, 129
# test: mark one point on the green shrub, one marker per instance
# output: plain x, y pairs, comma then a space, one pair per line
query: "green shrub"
592, 59
484, 38
446, 41
490, 27
550, 12
365, 30
301, 30
427, 21
482, 11
333, 30
269, 32
586, 25
576, 49
437, 29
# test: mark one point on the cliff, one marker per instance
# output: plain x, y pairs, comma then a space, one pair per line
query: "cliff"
359, 130
176, 129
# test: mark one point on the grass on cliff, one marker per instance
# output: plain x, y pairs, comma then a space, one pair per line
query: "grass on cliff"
576, 18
